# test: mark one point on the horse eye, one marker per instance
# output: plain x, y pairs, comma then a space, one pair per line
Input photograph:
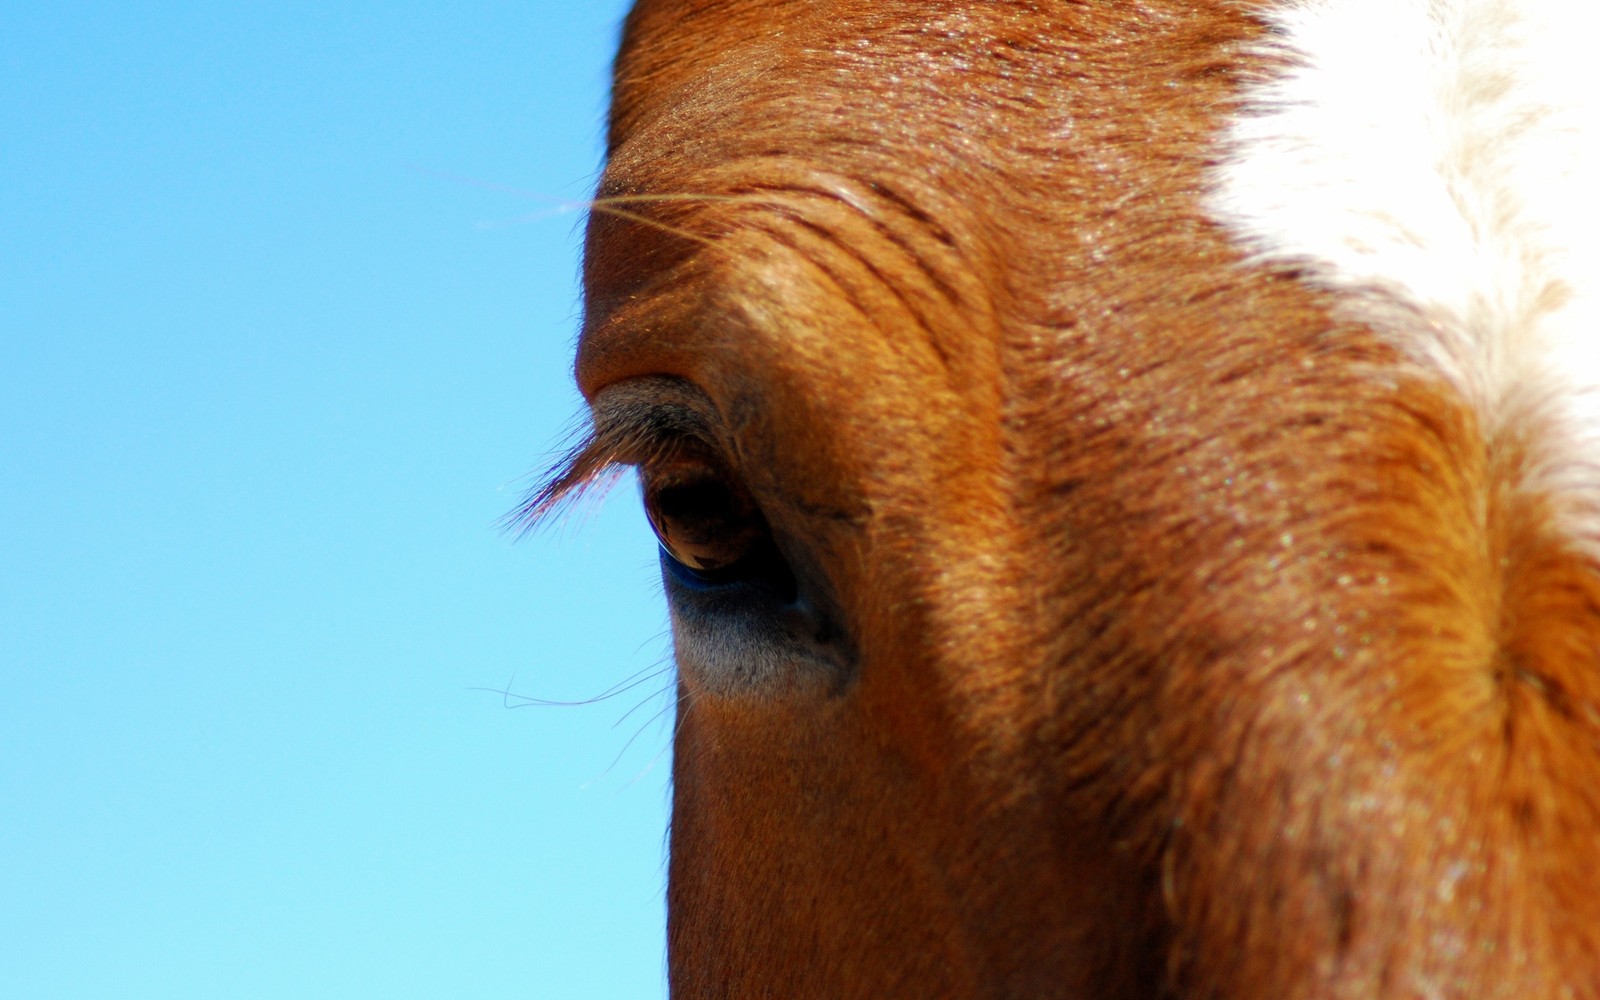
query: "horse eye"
703, 521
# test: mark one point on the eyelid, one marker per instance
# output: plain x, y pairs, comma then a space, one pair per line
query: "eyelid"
635, 422
645, 419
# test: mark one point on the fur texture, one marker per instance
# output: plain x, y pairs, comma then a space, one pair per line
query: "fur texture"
1436, 161
1168, 608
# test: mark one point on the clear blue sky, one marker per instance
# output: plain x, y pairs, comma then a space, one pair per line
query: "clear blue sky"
287, 302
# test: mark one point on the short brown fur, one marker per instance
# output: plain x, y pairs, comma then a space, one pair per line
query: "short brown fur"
1200, 645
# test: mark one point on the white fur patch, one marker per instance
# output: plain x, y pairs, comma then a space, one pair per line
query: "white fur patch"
1437, 160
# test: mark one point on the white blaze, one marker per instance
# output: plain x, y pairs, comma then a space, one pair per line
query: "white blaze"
1437, 160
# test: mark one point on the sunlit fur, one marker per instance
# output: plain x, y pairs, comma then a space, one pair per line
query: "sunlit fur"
1436, 161
1215, 612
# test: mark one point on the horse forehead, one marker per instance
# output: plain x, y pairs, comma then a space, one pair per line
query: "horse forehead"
880, 78
954, 149
785, 211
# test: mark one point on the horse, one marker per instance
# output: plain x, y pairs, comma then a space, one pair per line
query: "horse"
1127, 485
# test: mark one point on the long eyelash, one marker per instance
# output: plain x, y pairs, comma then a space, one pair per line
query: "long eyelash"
630, 432
589, 465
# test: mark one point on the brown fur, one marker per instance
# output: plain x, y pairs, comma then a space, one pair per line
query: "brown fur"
1200, 646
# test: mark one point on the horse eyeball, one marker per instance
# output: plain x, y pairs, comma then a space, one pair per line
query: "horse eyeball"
702, 521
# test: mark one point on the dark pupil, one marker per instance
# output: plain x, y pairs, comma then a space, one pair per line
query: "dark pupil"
695, 510
701, 524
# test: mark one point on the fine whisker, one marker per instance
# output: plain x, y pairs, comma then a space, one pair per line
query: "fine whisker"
671, 704
621, 687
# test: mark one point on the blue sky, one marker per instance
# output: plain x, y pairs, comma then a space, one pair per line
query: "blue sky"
287, 301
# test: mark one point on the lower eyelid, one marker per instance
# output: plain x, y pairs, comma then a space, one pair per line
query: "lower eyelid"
692, 579
765, 571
